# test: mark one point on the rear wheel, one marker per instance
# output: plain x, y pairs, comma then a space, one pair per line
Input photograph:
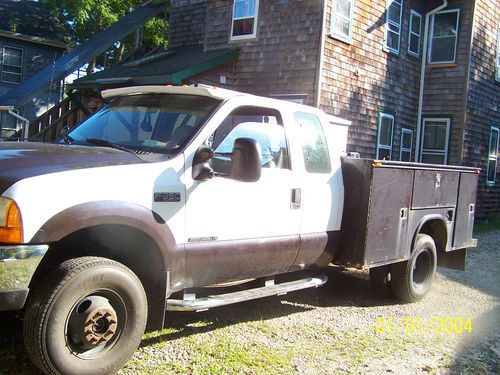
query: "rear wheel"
411, 280
88, 316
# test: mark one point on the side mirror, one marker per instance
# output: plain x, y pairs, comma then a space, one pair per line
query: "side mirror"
201, 169
246, 157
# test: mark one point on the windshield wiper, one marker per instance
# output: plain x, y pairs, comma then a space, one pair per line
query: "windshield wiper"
106, 143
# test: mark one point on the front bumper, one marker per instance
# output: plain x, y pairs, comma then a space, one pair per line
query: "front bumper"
17, 266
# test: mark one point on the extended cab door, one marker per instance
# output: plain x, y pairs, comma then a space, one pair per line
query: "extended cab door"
237, 230
320, 142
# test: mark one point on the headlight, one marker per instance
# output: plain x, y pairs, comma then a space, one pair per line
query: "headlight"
11, 224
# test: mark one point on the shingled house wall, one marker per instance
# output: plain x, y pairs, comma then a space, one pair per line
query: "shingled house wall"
187, 22
483, 102
359, 79
446, 84
281, 60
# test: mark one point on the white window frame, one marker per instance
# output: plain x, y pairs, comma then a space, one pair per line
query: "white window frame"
389, 22
334, 33
446, 120
381, 116
456, 37
20, 66
497, 57
404, 149
414, 13
255, 17
494, 156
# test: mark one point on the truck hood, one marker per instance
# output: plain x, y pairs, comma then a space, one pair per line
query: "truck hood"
20, 160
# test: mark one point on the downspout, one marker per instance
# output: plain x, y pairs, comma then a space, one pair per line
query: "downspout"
422, 76
320, 60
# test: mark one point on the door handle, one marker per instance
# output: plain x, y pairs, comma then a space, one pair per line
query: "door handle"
296, 199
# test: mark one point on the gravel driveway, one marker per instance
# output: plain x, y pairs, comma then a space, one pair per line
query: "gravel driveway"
339, 328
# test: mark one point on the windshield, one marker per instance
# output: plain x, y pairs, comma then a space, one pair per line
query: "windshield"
161, 123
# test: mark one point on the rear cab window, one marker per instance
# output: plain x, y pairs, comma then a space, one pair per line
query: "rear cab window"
314, 146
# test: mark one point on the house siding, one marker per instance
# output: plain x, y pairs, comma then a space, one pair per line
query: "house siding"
282, 59
187, 23
360, 79
483, 103
446, 84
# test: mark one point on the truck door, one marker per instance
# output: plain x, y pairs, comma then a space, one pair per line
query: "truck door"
238, 230
322, 190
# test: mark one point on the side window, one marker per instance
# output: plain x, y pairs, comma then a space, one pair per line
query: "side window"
12, 64
406, 144
497, 58
245, 14
444, 33
262, 124
341, 20
314, 147
394, 13
436, 132
491, 170
414, 33
385, 131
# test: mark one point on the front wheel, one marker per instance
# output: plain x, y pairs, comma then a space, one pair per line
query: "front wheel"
86, 317
411, 280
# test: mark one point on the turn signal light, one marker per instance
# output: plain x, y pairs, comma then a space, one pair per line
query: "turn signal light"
11, 224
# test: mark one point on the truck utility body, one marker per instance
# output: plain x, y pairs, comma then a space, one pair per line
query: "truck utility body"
170, 193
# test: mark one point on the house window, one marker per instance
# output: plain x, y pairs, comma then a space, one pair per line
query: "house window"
394, 13
414, 33
497, 61
244, 23
444, 36
406, 144
435, 136
384, 139
7, 121
12, 63
341, 21
491, 171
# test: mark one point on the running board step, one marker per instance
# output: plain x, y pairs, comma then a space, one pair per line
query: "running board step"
205, 303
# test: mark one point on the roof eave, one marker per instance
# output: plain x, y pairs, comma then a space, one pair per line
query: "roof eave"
34, 39
179, 76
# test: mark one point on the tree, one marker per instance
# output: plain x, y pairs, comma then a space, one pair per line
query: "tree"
87, 17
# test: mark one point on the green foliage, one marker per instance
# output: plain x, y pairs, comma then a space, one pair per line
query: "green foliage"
87, 17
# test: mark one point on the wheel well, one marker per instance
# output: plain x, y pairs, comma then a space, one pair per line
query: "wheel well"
124, 244
437, 230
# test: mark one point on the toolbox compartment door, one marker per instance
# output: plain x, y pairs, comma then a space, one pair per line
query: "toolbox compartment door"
435, 188
387, 228
464, 218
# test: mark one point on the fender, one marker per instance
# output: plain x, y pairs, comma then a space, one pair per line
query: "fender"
91, 214
421, 224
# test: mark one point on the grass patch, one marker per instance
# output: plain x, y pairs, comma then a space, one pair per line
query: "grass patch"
266, 347
487, 225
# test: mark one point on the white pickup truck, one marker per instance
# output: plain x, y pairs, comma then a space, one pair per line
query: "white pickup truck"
188, 198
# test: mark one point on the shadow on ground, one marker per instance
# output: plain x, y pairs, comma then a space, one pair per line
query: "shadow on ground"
344, 288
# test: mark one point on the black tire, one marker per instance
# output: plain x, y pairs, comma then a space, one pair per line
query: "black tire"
90, 292
411, 280
380, 280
